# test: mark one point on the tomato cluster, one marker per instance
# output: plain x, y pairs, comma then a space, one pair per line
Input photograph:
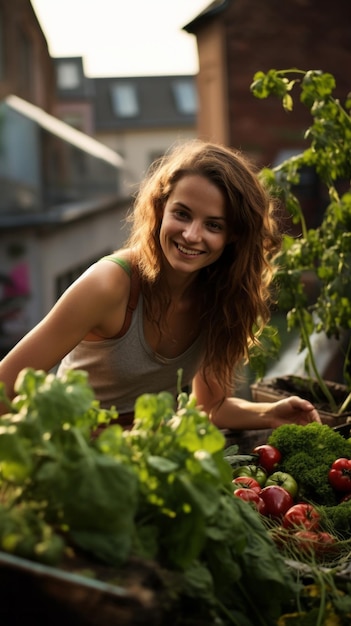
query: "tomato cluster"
270, 490
274, 494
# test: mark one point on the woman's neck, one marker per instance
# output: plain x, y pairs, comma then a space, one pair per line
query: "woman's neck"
176, 285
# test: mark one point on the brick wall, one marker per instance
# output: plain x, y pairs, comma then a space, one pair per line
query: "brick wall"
261, 35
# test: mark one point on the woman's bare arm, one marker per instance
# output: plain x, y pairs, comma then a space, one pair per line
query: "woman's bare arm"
233, 413
95, 302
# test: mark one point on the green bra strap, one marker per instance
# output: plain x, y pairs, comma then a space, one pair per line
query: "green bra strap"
122, 262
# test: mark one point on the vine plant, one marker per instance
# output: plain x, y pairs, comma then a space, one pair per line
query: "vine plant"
326, 250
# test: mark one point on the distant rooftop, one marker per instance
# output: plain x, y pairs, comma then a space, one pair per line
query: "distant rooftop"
145, 102
122, 103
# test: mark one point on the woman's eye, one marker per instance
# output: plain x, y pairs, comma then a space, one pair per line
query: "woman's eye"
181, 215
214, 226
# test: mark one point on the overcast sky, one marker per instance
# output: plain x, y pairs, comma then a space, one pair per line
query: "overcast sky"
122, 37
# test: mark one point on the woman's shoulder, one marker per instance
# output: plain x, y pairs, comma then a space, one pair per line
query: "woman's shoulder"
122, 258
106, 280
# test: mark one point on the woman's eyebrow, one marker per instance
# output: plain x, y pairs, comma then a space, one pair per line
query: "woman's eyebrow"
209, 217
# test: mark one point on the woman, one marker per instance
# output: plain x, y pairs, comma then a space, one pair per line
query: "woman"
185, 293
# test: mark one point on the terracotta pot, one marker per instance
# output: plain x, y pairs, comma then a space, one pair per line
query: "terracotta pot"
272, 389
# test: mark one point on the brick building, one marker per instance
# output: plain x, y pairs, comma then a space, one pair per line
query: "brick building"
26, 68
237, 38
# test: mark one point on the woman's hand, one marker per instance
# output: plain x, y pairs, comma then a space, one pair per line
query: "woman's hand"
292, 410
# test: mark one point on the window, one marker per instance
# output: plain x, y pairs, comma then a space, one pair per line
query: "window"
125, 100
68, 76
185, 96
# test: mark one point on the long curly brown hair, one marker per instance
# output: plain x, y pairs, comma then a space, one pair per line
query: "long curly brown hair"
235, 289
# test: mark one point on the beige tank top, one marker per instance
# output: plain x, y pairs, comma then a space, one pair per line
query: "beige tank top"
122, 368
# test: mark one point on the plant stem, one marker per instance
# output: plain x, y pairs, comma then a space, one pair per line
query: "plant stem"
313, 364
346, 377
321, 612
345, 404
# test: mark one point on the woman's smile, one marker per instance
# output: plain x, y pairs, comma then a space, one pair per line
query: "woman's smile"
187, 251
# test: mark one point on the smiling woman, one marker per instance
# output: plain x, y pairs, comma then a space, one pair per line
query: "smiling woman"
185, 294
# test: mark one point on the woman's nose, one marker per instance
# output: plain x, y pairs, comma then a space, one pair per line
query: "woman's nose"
192, 232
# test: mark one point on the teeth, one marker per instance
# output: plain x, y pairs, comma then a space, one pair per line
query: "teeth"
188, 252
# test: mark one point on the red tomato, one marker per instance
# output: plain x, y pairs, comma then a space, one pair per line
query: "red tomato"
247, 482
314, 542
277, 500
301, 515
261, 507
249, 495
269, 457
340, 475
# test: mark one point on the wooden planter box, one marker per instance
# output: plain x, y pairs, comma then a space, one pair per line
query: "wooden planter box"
272, 389
41, 594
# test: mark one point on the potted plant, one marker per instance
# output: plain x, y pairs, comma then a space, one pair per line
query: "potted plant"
319, 256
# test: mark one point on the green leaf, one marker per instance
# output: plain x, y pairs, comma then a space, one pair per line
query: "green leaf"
161, 464
199, 582
288, 102
16, 463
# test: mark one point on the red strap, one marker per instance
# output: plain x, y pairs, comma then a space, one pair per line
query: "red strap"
132, 302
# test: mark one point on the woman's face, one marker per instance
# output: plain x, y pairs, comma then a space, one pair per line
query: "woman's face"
194, 228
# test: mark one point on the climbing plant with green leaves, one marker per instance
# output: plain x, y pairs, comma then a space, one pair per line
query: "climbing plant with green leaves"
324, 251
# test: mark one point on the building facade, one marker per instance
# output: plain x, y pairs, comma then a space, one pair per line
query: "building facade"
62, 196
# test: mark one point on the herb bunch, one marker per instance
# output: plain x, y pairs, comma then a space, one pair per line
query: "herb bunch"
161, 492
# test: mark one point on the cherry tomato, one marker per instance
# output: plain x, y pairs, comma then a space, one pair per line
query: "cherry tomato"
269, 457
277, 500
340, 475
246, 482
301, 515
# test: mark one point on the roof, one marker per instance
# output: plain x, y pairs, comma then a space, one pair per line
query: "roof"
64, 131
156, 104
212, 9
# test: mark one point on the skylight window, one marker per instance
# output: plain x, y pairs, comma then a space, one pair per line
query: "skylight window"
125, 100
185, 96
68, 76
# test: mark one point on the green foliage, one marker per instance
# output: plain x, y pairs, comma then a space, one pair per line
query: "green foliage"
308, 452
337, 518
161, 491
321, 603
268, 347
324, 252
